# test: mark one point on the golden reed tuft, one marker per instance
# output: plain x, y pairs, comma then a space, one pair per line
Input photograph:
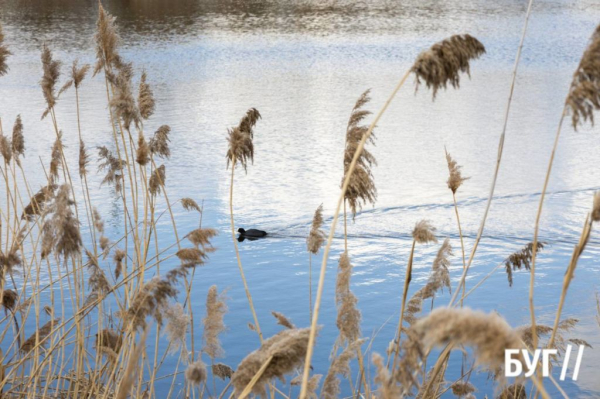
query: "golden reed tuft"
361, 187
520, 259
196, 373
316, 237
282, 320
348, 315
584, 93
4, 53
455, 180
213, 322
288, 349
340, 365
240, 140
50, 78
424, 232
18, 140
442, 64
146, 103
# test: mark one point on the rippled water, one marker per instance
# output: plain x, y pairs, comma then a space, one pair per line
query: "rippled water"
303, 66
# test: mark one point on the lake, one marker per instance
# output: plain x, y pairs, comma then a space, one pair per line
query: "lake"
303, 65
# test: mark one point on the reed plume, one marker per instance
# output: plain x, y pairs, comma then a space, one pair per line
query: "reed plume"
514, 391
286, 349
201, 238
40, 336
150, 300
130, 372
159, 143
348, 315
387, 389
190, 205
9, 297
240, 139
340, 365
282, 320
520, 259
78, 73
313, 385
107, 42
4, 53
222, 371
18, 140
60, 232
5, 148
442, 64
157, 180
361, 187
195, 374
584, 94
177, 324
438, 279
145, 98
213, 322
97, 282
463, 389
455, 180
122, 102
191, 257
316, 237
118, 258
113, 167
38, 202
50, 78
84, 159
56, 158
109, 343
143, 150
424, 232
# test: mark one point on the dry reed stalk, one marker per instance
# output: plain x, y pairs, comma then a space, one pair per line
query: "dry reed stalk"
286, 351
314, 242
581, 100
241, 149
351, 168
499, 156
130, 371
422, 233
577, 251
4, 53
455, 180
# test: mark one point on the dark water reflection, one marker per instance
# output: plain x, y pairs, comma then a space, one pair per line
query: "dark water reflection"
303, 64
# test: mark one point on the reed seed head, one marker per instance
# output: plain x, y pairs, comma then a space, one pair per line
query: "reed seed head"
201, 238
316, 237
157, 180
177, 324
40, 336
159, 143
61, 231
191, 257
514, 391
222, 371
107, 42
145, 98
288, 349
311, 386
113, 167
122, 102
5, 148
118, 258
520, 259
424, 232
78, 73
462, 388
109, 342
442, 64
50, 78
18, 140
38, 202
340, 365
213, 322
196, 373
455, 180
150, 300
348, 315
282, 320
84, 159
143, 150
240, 139
190, 205
4, 53
584, 94
361, 187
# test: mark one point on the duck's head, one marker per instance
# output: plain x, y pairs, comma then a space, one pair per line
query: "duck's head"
241, 231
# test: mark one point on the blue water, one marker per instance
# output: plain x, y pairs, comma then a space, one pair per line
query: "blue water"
304, 67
